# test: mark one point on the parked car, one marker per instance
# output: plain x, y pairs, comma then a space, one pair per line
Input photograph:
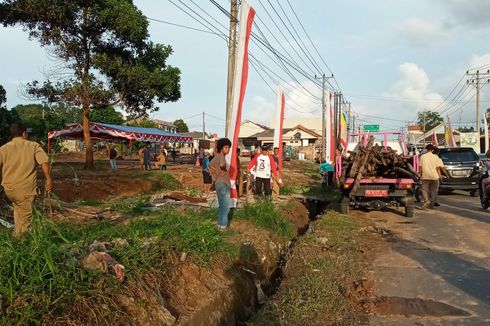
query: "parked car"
463, 166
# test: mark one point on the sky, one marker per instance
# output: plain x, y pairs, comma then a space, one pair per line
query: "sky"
390, 58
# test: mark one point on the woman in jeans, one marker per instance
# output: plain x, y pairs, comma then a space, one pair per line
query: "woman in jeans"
221, 179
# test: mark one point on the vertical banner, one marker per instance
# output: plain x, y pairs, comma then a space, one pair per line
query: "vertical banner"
485, 122
343, 130
247, 14
435, 142
330, 141
281, 101
449, 134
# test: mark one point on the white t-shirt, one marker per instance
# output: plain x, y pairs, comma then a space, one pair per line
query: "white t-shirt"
263, 167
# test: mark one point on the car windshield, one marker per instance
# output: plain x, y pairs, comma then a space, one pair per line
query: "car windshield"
459, 156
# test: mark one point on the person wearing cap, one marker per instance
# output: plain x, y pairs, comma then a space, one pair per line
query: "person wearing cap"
18, 162
264, 166
430, 164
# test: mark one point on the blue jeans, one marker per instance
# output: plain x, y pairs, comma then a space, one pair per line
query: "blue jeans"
223, 193
113, 164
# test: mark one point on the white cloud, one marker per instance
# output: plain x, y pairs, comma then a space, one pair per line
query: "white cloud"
259, 110
421, 32
482, 61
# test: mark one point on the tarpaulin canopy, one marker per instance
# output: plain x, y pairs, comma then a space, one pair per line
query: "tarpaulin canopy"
117, 132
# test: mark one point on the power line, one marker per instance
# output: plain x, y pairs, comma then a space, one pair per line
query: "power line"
179, 25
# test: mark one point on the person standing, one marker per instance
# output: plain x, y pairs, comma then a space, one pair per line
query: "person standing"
429, 165
112, 158
265, 167
326, 171
18, 160
206, 173
221, 178
441, 170
161, 163
141, 155
147, 158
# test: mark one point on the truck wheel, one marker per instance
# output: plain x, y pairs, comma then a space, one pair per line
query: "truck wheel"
344, 205
473, 193
409, 206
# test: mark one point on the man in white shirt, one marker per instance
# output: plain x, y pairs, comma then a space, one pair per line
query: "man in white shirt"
264, 166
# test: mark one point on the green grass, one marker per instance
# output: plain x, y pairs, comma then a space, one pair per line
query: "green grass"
40, 274
317, 276
163, 180
264, 214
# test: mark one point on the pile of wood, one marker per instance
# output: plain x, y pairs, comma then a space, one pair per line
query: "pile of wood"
374, 161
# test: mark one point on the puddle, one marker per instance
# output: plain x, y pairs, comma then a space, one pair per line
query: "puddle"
417, 307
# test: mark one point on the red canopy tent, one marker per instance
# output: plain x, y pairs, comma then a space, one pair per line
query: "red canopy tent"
117, 132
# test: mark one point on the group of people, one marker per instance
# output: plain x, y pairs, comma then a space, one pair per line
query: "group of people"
145, 157
263, 166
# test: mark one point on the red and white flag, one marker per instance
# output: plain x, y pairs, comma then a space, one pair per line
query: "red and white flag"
330, 141
281, 102
247, 15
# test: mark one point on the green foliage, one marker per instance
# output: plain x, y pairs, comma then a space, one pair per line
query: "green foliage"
264, 214
144, 123
6, 118
429, 119
165, 181
181, 125
106, 114
3, 97
40, 275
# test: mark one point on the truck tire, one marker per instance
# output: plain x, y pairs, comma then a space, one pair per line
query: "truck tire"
344, 205
409, 206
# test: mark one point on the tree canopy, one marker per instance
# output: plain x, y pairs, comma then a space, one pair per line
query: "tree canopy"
107, 56
106, 114
429, 119
6, 117
181, 125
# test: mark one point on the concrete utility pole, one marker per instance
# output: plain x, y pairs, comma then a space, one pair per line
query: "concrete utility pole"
203, 126
231, 62
349, 119
324, 109
477, 79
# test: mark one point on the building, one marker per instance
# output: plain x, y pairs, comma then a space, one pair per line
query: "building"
248, 129
297, 136
440, 132
165, 125
198, 140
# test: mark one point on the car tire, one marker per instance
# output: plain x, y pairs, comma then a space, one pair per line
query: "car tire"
345, 205
409, 206
473, 193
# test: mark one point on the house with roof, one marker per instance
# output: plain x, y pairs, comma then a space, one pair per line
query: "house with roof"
165, 125
440, 132
297, 136
248, 129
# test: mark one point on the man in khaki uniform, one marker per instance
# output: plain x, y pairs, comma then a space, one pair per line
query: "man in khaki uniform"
18, 160
429, 171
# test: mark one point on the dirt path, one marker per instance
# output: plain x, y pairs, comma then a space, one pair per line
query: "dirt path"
441, 257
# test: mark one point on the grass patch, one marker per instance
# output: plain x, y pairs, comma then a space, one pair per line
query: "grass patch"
264, 214
324, 265
92, 203
162, 180
40, 276
133, 206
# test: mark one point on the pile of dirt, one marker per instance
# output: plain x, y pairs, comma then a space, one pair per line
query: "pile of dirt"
296, 213
100, 189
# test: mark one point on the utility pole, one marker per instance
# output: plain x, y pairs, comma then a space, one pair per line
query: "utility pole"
203, 126
324, 109
349, 118
231, 62
477, 79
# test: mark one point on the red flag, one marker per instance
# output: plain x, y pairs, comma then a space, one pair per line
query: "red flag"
247, 14
279, 126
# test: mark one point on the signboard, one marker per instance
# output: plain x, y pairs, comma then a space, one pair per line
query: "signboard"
372, 128
470, 139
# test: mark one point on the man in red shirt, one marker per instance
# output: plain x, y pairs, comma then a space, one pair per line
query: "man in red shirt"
264, 166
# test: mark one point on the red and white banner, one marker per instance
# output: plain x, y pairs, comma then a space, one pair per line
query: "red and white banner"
330, 141
247, 14
281, 102
435, 142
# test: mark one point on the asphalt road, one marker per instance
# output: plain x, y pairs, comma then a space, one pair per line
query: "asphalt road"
440, 256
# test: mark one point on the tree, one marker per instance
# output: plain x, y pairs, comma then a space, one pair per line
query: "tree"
107, 115
466, 129
429, 119
6, 117
181, 125
105, 46
144, 123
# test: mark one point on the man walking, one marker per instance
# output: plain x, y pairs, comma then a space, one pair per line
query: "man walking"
18, 160
429, 166
147, 158
264, 166
112, 158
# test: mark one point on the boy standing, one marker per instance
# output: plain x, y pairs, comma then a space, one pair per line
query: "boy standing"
265, 167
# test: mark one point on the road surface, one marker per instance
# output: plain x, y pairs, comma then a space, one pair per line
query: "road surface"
440, 256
